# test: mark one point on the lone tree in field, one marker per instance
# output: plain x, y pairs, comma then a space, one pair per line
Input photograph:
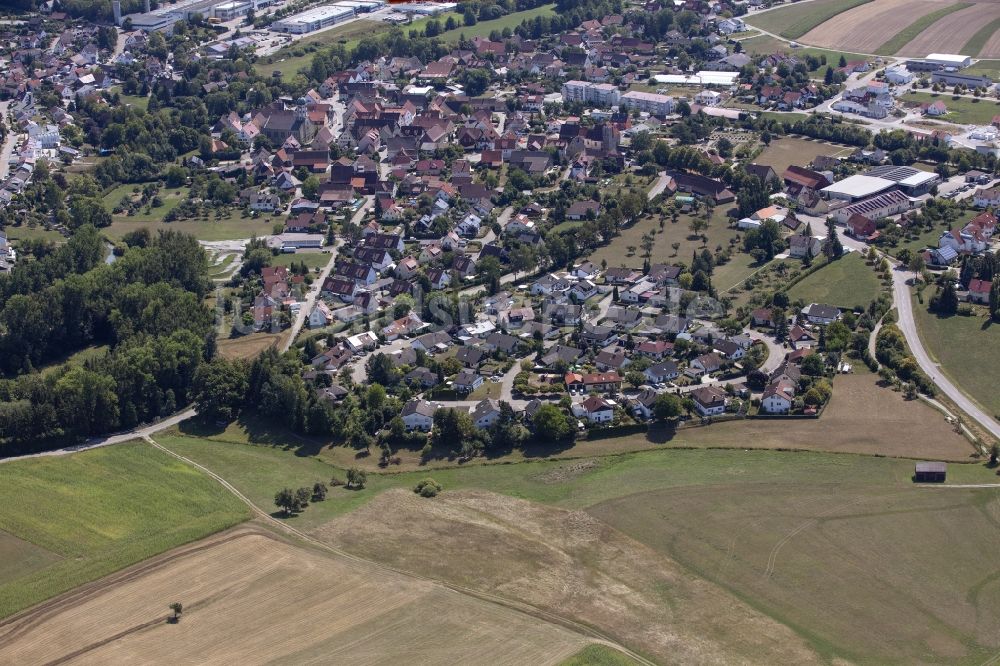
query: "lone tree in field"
319, 491
356, 478
177, 608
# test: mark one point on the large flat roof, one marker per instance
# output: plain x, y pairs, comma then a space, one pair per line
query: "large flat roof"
947, 57
859, 186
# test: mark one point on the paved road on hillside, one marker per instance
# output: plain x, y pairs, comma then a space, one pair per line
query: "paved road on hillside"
907, 324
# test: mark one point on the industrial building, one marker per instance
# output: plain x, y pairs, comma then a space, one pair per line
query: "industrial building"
426, 8
314, 19
937, 61
912, 182
228, 11
958, 78
163, 18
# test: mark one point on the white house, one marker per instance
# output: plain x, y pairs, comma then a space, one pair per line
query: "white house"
987, 197
597, 410
419, 415
819, 313
778, 397
485, 413
320, 316
709, 400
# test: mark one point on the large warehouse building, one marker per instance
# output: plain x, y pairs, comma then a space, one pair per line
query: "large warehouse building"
912, 182
314, 19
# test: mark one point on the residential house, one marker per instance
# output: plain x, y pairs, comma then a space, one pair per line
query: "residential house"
820, 313
709, 400
467, 381
664, 371
419, 415
485, 413
597, 410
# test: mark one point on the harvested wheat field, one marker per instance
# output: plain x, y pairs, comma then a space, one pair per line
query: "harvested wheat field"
865, 28
948, 34
569, 563
251, 598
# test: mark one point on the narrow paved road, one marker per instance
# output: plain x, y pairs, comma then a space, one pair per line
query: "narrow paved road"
9, 140
658, 187
907, 324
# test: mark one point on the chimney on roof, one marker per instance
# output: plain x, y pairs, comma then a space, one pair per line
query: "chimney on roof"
117, 7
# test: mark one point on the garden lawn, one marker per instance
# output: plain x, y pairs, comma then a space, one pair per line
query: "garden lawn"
961, 110
847, 283
966, 349
910, 32
794, 20
89, 514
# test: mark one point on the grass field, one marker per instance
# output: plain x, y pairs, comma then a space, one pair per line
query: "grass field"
76, 358
23, 232
766, 45
311, 259
865, 573
912, 31
978, 40
171, 198
230, 227
961, 110
719, 233
794, 20
352, 33
965, 348
796, 150
247, 346
251, 598
988, 67
286, 62
599, 655
847, 283
484, 28
89, 514
561, 558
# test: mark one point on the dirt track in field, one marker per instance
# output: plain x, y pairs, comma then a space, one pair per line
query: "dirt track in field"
951, 32
252, 598
867, 27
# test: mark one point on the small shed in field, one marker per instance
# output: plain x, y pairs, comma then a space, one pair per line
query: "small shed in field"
930, 472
